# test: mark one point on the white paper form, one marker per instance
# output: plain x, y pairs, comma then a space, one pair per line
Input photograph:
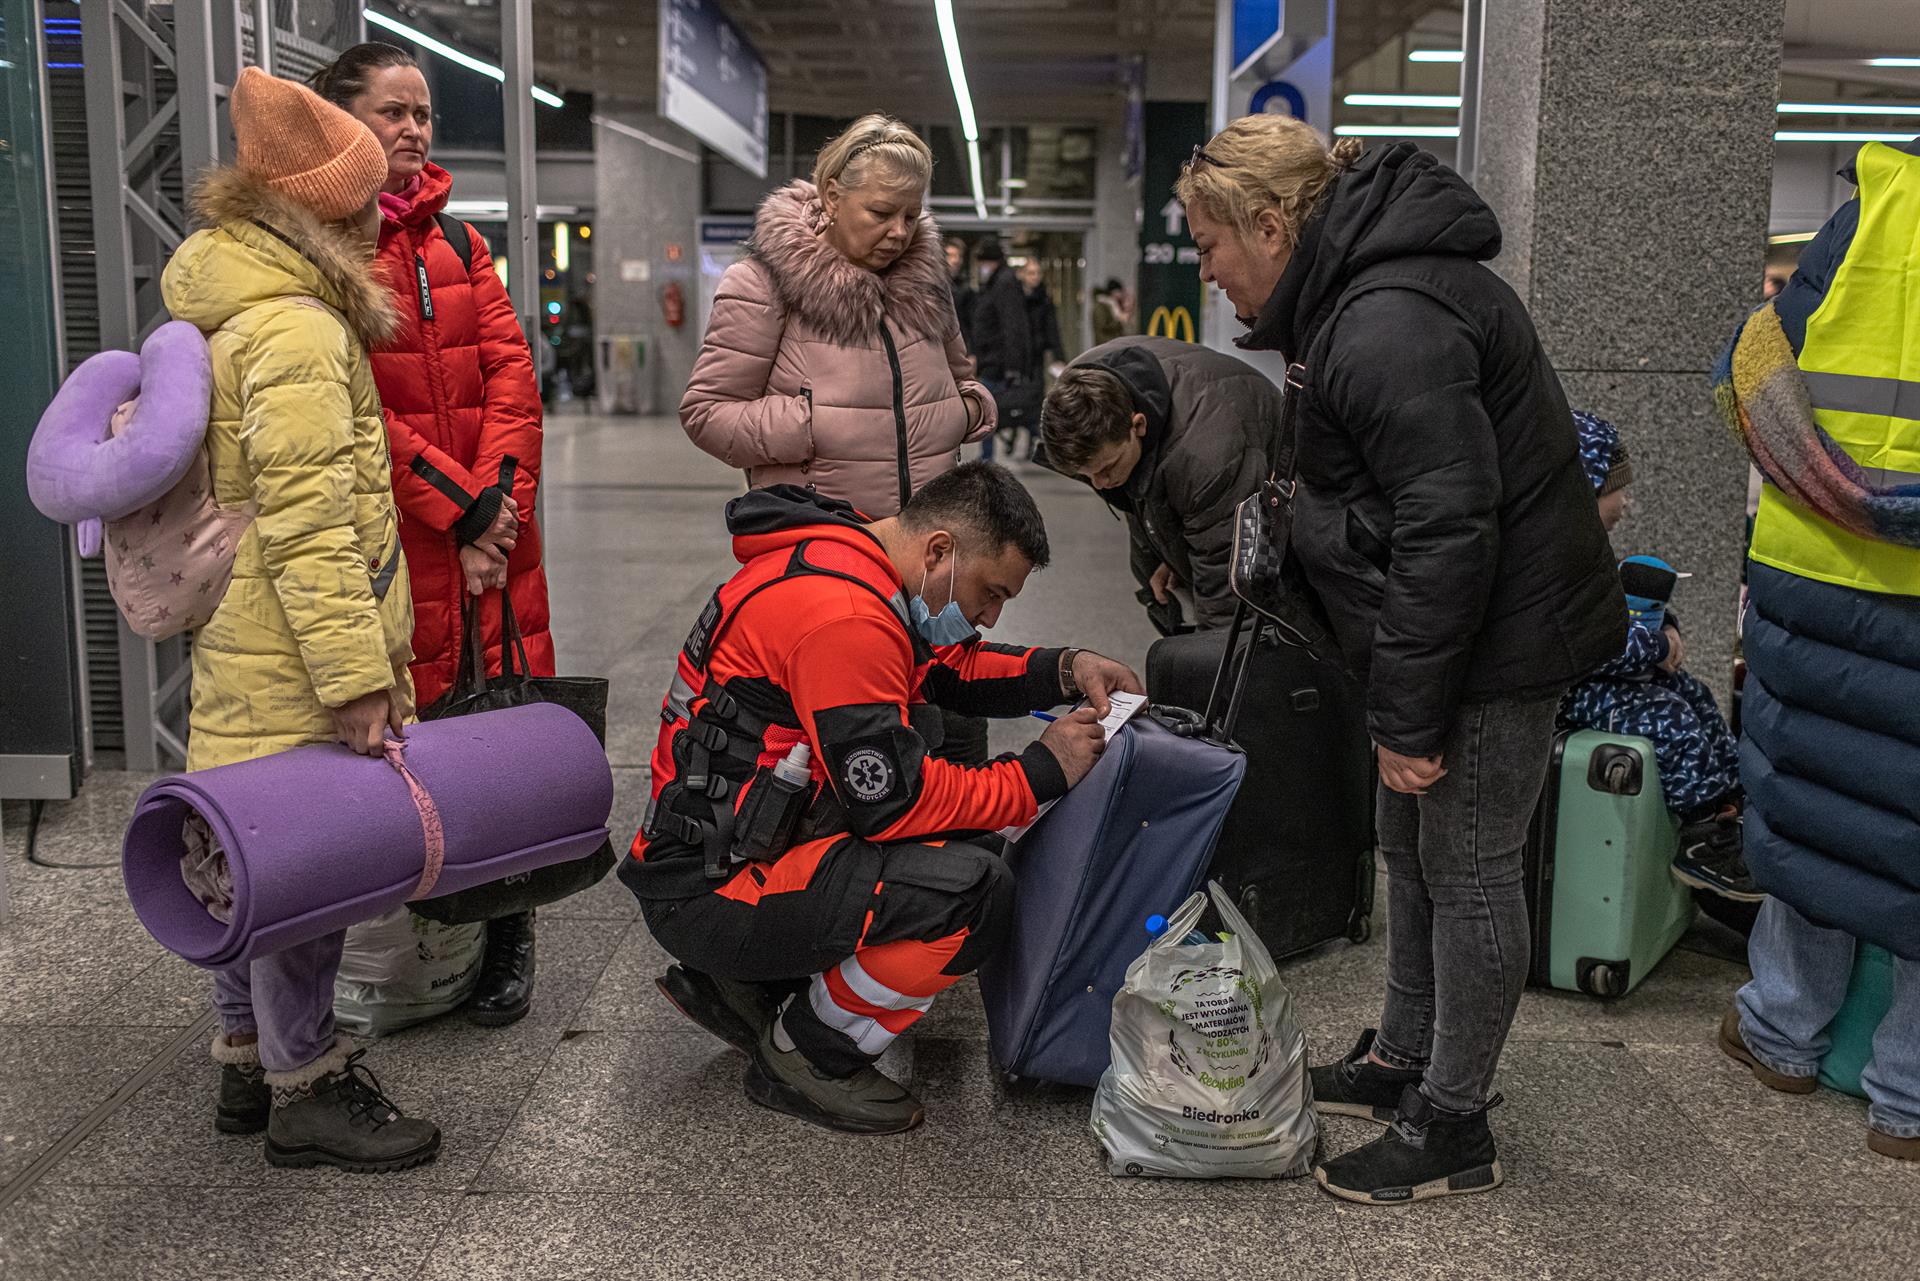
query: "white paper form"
1121, 708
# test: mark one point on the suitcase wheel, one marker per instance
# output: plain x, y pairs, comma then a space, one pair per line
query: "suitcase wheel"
1360, 929
1604, 980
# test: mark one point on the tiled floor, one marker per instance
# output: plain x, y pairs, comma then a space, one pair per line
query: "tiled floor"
603, 1137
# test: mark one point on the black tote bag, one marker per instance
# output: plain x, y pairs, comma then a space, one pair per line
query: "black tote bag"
584, 696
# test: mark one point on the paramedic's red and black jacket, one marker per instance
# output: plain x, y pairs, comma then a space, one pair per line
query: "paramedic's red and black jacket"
810, 641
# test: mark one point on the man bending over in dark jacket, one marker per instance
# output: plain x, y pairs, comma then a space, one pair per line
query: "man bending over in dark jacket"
1175, 436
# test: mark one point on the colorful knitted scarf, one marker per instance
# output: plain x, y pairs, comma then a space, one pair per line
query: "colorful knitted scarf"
1763, 398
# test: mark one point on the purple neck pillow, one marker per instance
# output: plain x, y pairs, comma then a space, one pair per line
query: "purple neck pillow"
79, 472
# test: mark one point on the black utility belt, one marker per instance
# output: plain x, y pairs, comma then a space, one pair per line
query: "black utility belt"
771, 819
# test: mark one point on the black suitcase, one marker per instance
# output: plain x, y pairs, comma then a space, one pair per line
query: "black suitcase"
1296, 853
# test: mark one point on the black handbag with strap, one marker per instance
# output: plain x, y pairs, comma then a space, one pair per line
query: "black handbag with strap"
584, 696
1263, 571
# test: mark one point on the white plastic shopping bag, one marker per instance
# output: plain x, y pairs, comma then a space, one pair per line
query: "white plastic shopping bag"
1209, 1074
399, 969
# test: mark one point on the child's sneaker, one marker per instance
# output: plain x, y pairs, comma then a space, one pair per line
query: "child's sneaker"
1717, 863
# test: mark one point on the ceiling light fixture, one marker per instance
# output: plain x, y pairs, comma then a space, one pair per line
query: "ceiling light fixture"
1849, 109
1436, 55
1893, 62
1397, 131
453, 55
1839, 135
957, 72
1450, 100
1792, 238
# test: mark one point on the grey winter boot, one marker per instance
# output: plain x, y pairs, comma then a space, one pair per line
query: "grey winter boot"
331, 1112
245, 1097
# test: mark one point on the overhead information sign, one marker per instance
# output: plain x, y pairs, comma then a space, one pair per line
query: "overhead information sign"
713, 82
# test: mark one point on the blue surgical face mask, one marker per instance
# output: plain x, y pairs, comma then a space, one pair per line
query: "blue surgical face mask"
950, 625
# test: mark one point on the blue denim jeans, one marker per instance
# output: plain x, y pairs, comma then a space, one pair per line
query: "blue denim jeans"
1800, 975
1458, 944
287, 998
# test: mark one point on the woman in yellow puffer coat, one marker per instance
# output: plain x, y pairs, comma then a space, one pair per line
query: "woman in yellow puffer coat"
311, 641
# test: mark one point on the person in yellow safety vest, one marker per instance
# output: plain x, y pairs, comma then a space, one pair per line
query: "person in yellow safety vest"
1823, 384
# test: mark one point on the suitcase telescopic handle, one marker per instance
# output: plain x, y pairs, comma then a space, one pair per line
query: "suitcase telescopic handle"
1231, 678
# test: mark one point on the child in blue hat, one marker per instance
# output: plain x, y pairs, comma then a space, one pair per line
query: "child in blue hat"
1646, 693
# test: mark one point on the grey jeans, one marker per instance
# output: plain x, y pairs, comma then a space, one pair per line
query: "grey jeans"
1457, 938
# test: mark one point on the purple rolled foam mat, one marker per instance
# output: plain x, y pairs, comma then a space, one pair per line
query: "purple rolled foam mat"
319, 838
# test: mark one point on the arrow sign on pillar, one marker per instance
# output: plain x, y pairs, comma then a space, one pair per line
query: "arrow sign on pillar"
1176, 217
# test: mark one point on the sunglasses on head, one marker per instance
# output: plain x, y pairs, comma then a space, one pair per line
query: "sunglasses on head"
1201, 157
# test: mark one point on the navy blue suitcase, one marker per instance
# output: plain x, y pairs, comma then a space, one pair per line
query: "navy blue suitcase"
1133, 840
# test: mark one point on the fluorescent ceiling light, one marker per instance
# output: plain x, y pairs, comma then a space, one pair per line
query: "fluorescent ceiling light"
453, 55
1436, 55
1841, 135
1403, 100
1893, 62
1792, 238
498, 209
957, 72
956, 68
1849, 109
1397, 131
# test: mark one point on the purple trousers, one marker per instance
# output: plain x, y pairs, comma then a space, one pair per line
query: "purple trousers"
287, 998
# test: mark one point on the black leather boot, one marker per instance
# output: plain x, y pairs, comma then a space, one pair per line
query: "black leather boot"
505, 989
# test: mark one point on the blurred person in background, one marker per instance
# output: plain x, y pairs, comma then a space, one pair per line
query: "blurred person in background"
1002, 343
1044, 348
964, 293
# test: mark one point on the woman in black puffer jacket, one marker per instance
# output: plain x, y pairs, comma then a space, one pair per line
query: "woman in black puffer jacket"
1444, 521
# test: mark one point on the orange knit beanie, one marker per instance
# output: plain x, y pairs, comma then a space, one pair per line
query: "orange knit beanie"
304, 147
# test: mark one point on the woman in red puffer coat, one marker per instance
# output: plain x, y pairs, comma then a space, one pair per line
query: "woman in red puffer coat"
462, 405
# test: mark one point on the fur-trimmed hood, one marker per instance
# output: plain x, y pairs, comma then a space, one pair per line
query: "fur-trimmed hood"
841, 299
257, 246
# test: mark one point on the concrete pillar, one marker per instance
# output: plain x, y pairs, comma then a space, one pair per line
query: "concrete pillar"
1628, 151
647, 202
1113, 247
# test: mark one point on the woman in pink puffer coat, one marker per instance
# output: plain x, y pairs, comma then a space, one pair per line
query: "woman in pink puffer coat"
833, 358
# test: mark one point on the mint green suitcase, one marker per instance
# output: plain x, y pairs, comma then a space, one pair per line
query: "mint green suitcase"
1869, 997
1600, 894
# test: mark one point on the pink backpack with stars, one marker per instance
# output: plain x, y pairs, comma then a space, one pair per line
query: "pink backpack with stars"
120, 454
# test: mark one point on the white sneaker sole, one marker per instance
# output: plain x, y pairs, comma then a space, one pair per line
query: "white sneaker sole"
1483, 1178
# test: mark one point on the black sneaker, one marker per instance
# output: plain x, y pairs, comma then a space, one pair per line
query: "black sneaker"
1424, 1153
732, 1010
1717, 863
1356, 1087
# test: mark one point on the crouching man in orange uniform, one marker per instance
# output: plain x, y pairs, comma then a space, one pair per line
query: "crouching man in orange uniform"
804, 858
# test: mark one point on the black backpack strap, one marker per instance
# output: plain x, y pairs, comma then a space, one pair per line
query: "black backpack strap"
459, 235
